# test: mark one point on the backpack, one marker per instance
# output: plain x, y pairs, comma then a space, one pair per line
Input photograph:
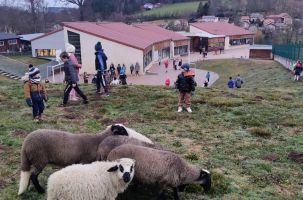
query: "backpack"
238, 82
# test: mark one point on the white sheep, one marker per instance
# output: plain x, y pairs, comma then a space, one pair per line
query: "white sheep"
95, 181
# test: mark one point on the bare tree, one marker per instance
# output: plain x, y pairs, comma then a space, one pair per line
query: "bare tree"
80, 4
34, 8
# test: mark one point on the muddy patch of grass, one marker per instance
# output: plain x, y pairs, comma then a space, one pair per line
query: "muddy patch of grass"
20, 133
4, 149
260, 132
296, 156
225, 102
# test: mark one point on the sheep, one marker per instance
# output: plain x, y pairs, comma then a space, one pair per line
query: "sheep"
111, 142
42, 147
155, 166
95, 181
133, 133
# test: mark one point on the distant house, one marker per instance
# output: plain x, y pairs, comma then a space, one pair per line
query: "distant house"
281, 21
26, 40
209, 19
224, 19
269, 24
244, 22
9, 42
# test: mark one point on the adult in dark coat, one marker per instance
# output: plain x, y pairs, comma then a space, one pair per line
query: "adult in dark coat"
101, 67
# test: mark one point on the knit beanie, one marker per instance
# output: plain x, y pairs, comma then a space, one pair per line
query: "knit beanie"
33, 72
70, 48
30, 66
185, 66
98, 46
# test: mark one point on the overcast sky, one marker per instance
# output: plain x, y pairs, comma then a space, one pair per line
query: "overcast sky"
50, 3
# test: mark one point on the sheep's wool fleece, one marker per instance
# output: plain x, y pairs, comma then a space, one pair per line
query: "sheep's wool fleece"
85, 182
135, 134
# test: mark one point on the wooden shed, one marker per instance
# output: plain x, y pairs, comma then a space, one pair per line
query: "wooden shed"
261, 52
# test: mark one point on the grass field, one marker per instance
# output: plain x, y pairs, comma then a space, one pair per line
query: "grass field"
29, 60
173, 9
247, 138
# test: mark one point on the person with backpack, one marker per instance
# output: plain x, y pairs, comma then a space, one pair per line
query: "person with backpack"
298, 68
238, 81
186, 85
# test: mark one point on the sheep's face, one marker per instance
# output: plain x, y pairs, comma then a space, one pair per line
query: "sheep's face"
205, 180
119, 129
125, 169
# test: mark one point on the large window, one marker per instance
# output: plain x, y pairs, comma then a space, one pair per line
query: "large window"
46, 52
147, 58
181, 50
1, 43
12, 42
74, 39
242, 41
164, 53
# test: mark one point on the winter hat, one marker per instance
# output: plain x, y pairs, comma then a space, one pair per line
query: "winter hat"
70, 48
30, 66
98, 46
185, 66
33, 72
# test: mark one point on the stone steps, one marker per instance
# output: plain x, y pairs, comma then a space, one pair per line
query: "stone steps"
11, 76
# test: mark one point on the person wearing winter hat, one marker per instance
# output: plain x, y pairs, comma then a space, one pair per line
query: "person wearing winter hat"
186, 85
70, 49
34, 92
101, 67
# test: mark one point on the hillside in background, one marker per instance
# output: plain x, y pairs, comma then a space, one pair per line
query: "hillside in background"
250, 139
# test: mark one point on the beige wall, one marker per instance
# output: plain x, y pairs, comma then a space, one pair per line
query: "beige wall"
116, 53
52, 41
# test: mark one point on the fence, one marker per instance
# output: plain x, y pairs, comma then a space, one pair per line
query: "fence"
292, 51
18, 68
287, 54
54, 72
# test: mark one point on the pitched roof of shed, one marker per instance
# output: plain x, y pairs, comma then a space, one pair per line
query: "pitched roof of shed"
162, 31
221, 28
119, 32
7, 36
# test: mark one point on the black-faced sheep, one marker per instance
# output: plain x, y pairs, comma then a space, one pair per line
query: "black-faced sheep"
162, 167
95, 181
134, 134
42, 147
111, 142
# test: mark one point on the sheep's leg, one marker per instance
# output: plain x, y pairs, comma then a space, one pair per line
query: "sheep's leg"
161, 196
176, 195
34, 178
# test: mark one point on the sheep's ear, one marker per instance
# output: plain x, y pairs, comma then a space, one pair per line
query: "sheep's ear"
113, 169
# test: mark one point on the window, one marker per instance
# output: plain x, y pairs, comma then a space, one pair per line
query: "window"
46, 52
12, 42
147, 58
181, 50
1, 43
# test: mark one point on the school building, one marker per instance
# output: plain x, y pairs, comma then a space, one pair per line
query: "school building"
213, 36
122, 43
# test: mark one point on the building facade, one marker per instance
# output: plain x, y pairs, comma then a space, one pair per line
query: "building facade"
9, 42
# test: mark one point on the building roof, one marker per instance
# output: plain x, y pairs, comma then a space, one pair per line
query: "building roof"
162, 31
279, 15
244, 18
119, 32
221, 28
46, 34
208, 35
7, 36
268, 22
261, 46
29, 37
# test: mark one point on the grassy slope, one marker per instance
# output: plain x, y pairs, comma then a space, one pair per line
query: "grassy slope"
187, 7
236, 134
29, 60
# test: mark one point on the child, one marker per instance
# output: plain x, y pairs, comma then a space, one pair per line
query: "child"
230, 83
205, 84
298, 68
71, 79
85, 78
186, 85
34, 92
167, 82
